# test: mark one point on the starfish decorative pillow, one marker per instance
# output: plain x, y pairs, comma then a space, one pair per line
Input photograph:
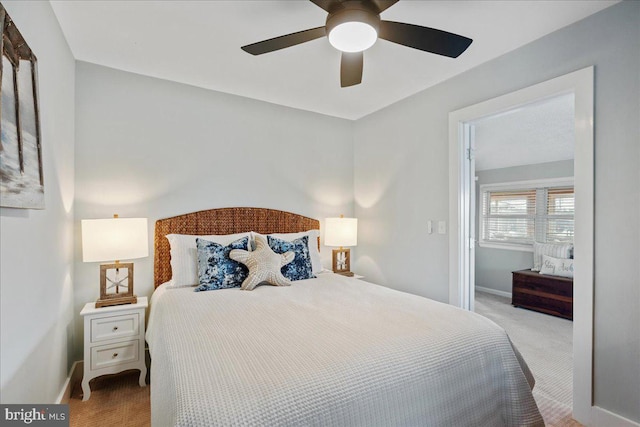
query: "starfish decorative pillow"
264, 265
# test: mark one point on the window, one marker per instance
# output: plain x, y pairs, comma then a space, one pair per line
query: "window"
514, 215
559, 209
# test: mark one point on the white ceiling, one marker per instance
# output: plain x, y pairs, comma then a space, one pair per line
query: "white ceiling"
198, 43
541, 132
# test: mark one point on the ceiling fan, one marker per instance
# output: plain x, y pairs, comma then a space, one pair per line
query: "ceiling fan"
354, 25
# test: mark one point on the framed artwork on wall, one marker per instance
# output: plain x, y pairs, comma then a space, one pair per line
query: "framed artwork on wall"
21, 175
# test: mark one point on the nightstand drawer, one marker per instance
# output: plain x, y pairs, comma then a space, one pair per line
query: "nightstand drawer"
114, 354
108, 328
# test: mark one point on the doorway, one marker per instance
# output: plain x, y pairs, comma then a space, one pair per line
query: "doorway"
462, 236
524, 194
522, 161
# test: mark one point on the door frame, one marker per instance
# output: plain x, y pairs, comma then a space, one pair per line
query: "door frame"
580, 83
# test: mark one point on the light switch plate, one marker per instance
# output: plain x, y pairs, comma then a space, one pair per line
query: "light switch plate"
442, 227
429, 226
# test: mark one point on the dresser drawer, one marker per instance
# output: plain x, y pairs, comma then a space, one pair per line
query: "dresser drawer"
544, 284
107, 328
114, 354
555, 305
547, 294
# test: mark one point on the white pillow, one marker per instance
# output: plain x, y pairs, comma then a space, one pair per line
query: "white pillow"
557, 266
314, 252
184, 255
556, 250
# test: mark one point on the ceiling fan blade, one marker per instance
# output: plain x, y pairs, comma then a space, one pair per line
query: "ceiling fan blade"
424, 38
327, 5
383, 5
282, 42
351, 68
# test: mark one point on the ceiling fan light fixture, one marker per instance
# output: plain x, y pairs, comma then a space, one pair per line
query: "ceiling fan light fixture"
352, 26
353, 36
353, 29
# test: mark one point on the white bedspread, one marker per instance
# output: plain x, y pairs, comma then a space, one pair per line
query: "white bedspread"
330, 351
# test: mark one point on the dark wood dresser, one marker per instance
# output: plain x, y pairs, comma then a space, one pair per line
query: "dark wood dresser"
547, 294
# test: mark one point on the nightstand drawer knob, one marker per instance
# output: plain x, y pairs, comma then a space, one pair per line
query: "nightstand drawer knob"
115, 328
114, 355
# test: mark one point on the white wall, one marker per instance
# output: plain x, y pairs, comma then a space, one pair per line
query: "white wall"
494, 266
152, 148
401, 180
36, 292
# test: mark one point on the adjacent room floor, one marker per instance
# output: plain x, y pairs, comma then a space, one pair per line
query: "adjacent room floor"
546, 343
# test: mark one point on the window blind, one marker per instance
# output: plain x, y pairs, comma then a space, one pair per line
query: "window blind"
523, 216
509, 216
559, 223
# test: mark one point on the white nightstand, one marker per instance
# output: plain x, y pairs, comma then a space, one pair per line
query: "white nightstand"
113, 341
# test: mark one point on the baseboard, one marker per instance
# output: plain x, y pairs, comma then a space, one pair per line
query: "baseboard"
603, 418
493, 292
75, 376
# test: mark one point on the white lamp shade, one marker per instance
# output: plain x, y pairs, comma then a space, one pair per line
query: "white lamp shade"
114, 239
341, 232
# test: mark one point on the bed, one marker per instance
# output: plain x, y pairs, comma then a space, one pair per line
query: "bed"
329, 350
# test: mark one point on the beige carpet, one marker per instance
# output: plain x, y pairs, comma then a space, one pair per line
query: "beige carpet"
546, 343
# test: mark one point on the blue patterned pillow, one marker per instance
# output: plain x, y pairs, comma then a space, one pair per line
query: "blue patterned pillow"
300, 267
215, 269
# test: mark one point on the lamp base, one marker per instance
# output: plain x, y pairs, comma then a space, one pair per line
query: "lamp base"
107, 284
345, 273
116, 300
342, 261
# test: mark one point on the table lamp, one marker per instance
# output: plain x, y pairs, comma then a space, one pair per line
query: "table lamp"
115, 239
341, 232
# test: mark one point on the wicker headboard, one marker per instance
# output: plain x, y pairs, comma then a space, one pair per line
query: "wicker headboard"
222, 221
